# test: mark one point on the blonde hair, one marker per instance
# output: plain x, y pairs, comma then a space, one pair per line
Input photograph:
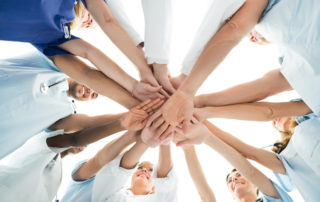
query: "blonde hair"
279, 146
78, 9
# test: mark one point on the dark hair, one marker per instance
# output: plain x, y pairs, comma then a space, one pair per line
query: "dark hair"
234, 170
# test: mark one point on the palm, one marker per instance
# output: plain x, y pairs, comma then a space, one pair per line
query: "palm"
135, 120
179, 107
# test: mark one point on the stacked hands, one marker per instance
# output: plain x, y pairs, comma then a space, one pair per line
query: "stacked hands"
165, 118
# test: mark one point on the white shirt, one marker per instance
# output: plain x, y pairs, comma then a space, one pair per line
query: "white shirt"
109, 186
33, 172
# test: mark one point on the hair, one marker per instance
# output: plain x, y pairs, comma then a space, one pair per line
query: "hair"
279, 146
234, 170
78, 9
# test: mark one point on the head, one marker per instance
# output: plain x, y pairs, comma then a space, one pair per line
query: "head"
81, 92
239, 186
286, 126
141, 179
83, 18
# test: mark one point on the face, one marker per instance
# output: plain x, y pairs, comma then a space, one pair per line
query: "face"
282, 124
238, 185
87, 21
81, 92
141, 179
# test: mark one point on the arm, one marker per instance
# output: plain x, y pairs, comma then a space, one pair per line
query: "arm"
131, 157
103, 16
94, 79
270, 84
197, 175
251, 173
222, 42
258, 111
77, 122
165, 162
262, 156
104, 156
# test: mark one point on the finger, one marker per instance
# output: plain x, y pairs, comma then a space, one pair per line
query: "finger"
178, 130
185, 125
168, 139
167, 132
150, 104
157, 123
164, 93
185, 142
152, 89
142, 104
161, 130
159, 104
159, 95
168, 86
153, 117
194, 120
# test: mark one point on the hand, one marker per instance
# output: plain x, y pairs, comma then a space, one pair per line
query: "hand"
144, 91
161, 73
195, 133
148, 78
176, 81
156, 133
177, 108
200, 114
136, 118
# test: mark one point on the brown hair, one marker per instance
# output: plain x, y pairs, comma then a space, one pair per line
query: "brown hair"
78, 9
234, 170
279, 146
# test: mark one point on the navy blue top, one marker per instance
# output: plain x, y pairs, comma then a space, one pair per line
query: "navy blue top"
43, 23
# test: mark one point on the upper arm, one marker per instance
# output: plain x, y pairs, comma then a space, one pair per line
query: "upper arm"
100, 11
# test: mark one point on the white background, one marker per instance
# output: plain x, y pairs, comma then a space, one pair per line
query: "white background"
246, 62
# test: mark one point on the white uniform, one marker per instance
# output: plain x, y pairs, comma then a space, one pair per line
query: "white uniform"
33, 172
217, 15
158, 28
109, 185
28, 106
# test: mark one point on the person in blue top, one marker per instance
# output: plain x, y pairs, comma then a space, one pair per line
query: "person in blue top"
36, 96
296, 159
282, 22
46, 25
243, 182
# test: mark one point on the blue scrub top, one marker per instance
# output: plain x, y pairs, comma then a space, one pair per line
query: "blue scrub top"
293, 25
301, 158
284, 197
45, 24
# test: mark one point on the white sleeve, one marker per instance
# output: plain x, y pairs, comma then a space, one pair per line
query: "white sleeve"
158, 30
166, 188
110, 179
218, 13
118, 12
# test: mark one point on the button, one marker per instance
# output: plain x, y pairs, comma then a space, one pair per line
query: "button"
44, 88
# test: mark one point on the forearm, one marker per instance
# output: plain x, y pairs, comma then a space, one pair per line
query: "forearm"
259, 111
165, 161
222, 43
86, 136
102, 14
262, 156
83, 49
94, 79
243, 166
131, 157
197, 175
270, 84
103, 157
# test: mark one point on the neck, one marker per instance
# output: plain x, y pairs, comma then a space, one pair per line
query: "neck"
137, 191
248, 198
69, 84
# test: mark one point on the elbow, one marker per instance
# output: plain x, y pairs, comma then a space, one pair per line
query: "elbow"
269, 113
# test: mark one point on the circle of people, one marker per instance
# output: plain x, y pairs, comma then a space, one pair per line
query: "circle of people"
39, 125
